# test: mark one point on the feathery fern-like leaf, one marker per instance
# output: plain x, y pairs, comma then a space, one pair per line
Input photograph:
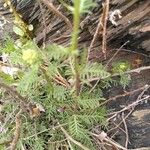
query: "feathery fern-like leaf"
94, 70
56, 52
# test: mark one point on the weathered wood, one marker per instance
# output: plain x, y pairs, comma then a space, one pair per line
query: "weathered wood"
134, 26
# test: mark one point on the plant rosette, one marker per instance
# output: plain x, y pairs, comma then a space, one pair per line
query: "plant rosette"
120, 67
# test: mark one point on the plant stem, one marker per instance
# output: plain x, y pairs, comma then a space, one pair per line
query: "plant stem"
48, 79
76, 22
74, 43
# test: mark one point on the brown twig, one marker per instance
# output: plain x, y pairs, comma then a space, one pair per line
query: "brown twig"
17, 131
139, 99
126, 131
98, 29
128, 107
62, 79
137, 70
58, 81
122, 95
101, 27
104, 24
119, 124
110, 141
56, 12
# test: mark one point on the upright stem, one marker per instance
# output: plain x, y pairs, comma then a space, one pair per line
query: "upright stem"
74, 43
76, 22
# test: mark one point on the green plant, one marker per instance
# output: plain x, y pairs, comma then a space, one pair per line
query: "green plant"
56, 81
120, 67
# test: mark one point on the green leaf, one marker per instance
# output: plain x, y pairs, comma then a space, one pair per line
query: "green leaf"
92, 70
2, 147
75, 127
6, 78
57, 52
88, 102
29, 81
9, 45
85, 6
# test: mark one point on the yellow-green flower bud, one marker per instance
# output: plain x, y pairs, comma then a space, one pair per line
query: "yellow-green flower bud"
123, 66
30, 56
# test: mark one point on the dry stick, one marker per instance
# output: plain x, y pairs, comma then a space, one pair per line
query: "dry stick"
98, 29
126, 129
134, 52
138, 70
62, 79
142, 148
107, 139
72, 140
17, 131
104, 22
115, 143
122, 95
128, 107
117, 126
56, 12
